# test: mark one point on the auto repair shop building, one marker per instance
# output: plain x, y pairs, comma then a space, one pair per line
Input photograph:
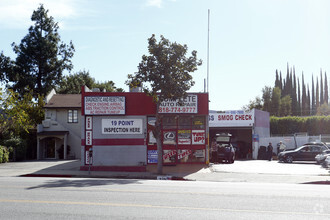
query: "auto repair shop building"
118, 129
246, 128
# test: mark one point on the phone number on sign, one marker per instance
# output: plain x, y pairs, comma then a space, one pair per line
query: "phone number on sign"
177, 110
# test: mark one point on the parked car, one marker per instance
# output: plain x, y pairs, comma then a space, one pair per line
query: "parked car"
307, 152
226, 151
321, 157
326, 162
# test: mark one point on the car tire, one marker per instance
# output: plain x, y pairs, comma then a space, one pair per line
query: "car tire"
289, 159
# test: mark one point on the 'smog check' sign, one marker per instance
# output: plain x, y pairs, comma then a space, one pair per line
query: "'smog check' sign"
104, 105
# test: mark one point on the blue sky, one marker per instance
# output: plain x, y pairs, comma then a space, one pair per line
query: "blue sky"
249, 39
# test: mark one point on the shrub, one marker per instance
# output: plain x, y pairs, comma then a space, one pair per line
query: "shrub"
19, 148
4, 154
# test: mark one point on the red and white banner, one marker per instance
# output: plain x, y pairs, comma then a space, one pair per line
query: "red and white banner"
89, 123
169, 154
104, 105
89, 137
184, 153
187, 105
198, 136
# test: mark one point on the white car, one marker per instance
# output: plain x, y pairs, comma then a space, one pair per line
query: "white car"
326, 162
322, 156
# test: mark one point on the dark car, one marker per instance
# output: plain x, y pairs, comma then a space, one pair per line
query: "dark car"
226, 151
307, 152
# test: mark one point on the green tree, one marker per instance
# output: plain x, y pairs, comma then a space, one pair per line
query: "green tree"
256, 103
276, 101
267, 98
164, 74
41, 57
71, 84
20, 114
285, 106
323, 110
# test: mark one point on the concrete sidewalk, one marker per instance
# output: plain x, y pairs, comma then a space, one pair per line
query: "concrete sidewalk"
240, 171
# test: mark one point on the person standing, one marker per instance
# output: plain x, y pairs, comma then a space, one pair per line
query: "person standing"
270, 151
282, 147
214, 151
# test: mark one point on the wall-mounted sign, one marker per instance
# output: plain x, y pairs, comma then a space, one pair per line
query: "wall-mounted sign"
231, 119
122, 126
198, 136
89, 137
89, 123
187, 105
104, 105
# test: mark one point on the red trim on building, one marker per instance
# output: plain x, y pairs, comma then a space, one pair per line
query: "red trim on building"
115, 142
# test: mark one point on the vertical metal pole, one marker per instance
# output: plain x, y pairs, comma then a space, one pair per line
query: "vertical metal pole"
208, 48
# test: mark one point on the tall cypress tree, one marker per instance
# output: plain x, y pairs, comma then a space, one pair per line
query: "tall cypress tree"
313, 111
299, 98
294, 94
277, 80
317, 94
281, 84
326, 89
308, 102
321, 89
303, 96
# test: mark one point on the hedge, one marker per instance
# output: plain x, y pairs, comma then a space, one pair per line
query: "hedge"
4, 154
313, 125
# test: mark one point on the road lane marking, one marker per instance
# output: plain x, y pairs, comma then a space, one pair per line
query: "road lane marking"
161, 207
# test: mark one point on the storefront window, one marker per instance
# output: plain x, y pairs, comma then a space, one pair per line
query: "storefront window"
169, 122
198, 123
191, 155
184, 122
169, 137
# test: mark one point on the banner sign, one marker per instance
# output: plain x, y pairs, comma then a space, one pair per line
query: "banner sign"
184, 153
187, 105
198, 136
104, 105
231, 119
122, 126
184, 136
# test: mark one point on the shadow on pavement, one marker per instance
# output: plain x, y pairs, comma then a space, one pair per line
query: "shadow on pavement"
59, 183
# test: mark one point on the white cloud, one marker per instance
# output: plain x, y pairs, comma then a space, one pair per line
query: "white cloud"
154, 3
16, 14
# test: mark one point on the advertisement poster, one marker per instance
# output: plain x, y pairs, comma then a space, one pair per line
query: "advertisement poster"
169, 137
184, 136
198, 136
169, 156
152, 156
191, 156
122, 126
104, 105
187, 105
151, 126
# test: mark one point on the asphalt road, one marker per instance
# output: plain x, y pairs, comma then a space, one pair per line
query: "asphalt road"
84, 198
